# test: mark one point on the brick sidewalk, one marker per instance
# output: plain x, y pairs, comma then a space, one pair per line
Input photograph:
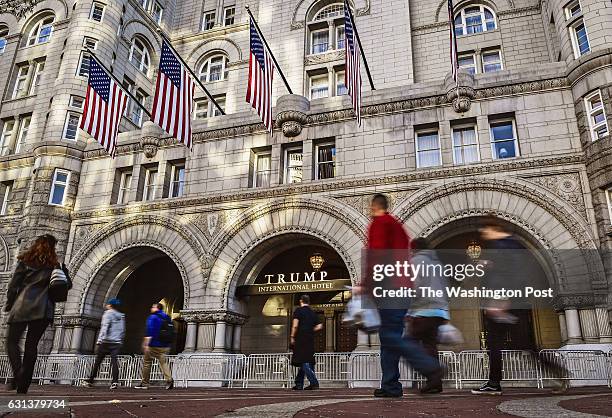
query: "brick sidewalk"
277, 403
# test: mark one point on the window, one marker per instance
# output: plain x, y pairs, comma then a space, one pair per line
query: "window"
572, 10
76, 102
97, 12
150, 184
293, 165
465, 146
177, 180
157, 13
504, 140
61, 179
3, 34
319, 41
428, 152
214, 69
468, 63
205, 109
209, 21
22, 136
125, 185
340, 84
330, 12
144, 4
7, 133
136, 111
263, 169
319, 86
39, 67
597, 116
491, 61
85, 60
474, 19
609, 200
71, 126
5, 194
41, 32
580, 39
229, 15
340, 37
325, 161
20, 82
139, 56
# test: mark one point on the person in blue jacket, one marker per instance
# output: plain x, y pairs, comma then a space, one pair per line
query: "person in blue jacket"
156, 345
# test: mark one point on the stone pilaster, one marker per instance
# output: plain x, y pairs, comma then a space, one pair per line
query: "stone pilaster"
574, 334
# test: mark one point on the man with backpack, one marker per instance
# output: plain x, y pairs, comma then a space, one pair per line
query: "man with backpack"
157, 342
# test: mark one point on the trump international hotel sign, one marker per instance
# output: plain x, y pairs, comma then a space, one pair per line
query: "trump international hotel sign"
293, 283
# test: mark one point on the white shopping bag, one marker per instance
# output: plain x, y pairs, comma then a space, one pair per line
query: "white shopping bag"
449, 335
366, 320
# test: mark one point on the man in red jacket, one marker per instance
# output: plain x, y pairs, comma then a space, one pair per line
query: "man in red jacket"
387, 233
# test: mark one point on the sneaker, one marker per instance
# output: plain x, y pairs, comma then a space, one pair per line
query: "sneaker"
488, 389
311, 387
87, 384
170, 385
297, 388
114, 386
381, 393
141, 386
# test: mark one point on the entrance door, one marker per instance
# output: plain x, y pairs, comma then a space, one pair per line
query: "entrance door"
346, 336
519, 336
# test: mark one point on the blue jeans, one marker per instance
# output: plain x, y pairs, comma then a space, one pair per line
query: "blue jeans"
393, 347
307, 370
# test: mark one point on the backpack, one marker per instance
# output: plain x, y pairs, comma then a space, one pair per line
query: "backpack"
166, 331
58, 286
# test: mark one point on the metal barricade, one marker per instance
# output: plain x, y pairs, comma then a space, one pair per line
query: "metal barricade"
268, 369
364, 369
210, 369
449, 360
137, 364
590, 367
332, 367
518, 366
5, 369
56, 368
610, 369
125, 363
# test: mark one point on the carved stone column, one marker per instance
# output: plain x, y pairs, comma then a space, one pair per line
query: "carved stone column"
220, 343
603, 324
588, 324
206, 337
57, 338
291, 114
562, 327
461, 97
191, 338
77, 336
236, 338
574, 335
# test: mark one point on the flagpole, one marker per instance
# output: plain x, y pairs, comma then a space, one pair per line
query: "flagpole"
365, 61
130, 95
269, 50
197, 79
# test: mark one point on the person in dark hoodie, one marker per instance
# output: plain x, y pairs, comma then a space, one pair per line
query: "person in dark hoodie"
30, 306
110, 339
155, 347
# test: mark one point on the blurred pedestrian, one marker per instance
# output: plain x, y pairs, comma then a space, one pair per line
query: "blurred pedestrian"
110, 339
305, 323
31, 298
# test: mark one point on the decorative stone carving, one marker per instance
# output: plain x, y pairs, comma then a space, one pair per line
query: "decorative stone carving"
210, 223
330, 56
83, 233
566, 186
291, 115
460, 93
149, 146
361, 203
210, 316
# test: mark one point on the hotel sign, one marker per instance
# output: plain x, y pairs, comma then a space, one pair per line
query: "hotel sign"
293, 283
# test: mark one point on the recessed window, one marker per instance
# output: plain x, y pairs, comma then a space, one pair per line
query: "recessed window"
208, 22
206, 109
330, 12
22, 135
125, 185
474, 19
214, 69
580, 39
84, 63
597, 116
293, 165
319, 41
573, 9
229, 16
319, 86
7, 133
61, 178
71, 126
97, 12
262, 172
504, 140
20, 82
468, 62
465, 145
144, 4
90, 43
326, 30
177, 180
340, 37
76, 102
133, 111
341, 89
428, 151
150, 184
157, 13
3, 35
39, 68
5, 194
139, 55
41, 32
325, 161
609, 200
491, 61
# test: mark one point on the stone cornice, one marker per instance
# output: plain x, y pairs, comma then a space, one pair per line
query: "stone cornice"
212, 316
327, 186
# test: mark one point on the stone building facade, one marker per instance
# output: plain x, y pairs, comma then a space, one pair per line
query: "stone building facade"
525, 136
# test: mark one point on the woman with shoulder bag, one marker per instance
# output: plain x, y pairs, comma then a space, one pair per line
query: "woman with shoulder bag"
37, 284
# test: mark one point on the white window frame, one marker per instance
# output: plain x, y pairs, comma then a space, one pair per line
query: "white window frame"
337, 13
204, 73
80, 69
340, 79
39, 69
5, 139
144, 4
568, 10
34, 37
213, 15
292, 150
4, 33
148, 194
70, 114
491, 52
340, 28
21, 77
312, 44
574, 36
177, 182
56, 182
468, 55
517, 150
462, 147
22, 134
609, 200
157, 12
310, 84
417, 150
593, 111
144, 63
482, 18
73, 102
5, 198
258, 155
317, 162
92, 13
125, 187
225, 15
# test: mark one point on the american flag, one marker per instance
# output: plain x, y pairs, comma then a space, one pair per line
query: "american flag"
352, 75
453, 41
261, 74
173, 102
104, 106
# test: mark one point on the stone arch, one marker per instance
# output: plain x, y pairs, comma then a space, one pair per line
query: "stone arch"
161, 233
134, 28
303, 7
223, 45
339, 226
442, 10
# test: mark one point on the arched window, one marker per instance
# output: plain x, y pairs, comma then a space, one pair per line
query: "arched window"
41, 31
474, 19
214, 69
326, 29
3, 34
330, 12
139, 55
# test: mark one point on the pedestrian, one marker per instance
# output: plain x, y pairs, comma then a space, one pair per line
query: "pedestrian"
110, 339
156, 344
427, 311
305, 323
31, 306
387, 233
